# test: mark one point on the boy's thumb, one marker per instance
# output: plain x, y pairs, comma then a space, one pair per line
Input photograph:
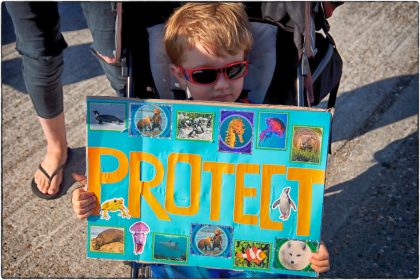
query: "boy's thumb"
82, 179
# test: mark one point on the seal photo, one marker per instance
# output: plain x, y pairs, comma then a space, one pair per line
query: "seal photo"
106, 118
106, 237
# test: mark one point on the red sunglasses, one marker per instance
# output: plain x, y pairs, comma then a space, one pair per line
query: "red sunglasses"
210, 75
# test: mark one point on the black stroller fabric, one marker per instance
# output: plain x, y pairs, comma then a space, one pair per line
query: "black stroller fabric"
326, 68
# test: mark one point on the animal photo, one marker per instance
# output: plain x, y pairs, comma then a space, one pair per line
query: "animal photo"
107, 116
150, 120
211, 240
306, 144
139, 232
285, 204
293, 254
107, 239
170, 247
252, 254
114, 205
194, 126
272, 131
236, 131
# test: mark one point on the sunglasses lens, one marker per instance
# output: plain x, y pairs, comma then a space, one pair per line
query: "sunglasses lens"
208, 75
205, 76
236, 71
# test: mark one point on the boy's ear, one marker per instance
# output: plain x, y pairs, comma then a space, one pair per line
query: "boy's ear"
179, 76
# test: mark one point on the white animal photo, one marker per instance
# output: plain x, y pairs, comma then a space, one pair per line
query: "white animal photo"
294, 254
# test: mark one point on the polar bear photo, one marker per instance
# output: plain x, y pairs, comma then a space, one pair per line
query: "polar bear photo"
294, 254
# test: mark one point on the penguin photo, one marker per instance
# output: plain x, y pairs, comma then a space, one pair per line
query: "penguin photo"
284, 203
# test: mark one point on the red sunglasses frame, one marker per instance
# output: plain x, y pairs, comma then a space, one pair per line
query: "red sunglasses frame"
188, 72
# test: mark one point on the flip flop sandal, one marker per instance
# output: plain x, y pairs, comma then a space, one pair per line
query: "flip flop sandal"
34, 186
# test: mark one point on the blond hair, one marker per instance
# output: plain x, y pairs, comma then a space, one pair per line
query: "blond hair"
221, 28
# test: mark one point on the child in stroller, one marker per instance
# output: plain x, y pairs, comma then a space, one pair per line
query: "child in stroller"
207, 45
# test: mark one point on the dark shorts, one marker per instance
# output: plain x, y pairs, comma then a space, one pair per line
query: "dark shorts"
39, 41
41, 44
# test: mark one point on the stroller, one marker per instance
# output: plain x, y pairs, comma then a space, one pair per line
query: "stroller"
291, 62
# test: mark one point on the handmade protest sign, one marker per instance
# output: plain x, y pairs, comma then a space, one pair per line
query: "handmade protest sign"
218, 185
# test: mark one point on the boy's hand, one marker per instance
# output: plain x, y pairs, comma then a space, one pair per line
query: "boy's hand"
320, 262
83, 201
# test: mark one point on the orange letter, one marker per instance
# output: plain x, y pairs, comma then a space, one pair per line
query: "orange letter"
217, 169
267, 172
241, 191
306, 178
138, 187
195, 163
96, 178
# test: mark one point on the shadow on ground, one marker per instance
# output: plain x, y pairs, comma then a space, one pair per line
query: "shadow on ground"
387, 90
383, 220
77, 164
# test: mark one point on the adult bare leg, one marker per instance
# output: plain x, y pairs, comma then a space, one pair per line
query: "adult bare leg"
55, 135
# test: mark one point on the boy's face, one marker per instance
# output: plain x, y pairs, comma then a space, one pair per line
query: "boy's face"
223, 89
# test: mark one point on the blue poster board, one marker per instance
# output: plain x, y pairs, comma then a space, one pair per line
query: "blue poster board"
218, 185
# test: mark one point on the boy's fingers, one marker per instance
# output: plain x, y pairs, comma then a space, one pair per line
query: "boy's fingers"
79, 203
86, 204
81, 194
86, 196
83, 208
83, 201
84, 216
319, 256
81, 211
322, 263
320, 269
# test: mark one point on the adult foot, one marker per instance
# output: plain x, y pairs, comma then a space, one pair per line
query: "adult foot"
52, 161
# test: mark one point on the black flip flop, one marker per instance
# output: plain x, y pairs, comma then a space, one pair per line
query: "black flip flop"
35, 189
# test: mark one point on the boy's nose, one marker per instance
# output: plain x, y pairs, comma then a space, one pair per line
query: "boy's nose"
222, 82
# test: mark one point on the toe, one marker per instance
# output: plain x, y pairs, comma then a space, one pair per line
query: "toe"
50, 163
55, 183
40, 181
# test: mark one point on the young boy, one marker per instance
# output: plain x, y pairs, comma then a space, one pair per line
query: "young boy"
207, 44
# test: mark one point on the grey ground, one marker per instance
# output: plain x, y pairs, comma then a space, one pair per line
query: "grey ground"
370, 222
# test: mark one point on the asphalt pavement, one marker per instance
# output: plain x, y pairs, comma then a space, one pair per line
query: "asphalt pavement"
370, 222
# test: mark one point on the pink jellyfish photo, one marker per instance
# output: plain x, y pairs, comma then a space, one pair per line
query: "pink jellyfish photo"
139, 231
